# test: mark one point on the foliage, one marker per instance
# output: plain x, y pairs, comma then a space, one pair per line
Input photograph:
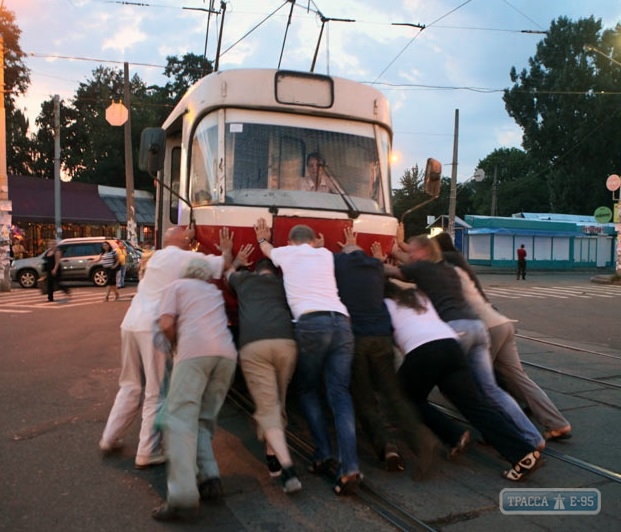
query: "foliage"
520, 185
568, 105
91, 149
16, 81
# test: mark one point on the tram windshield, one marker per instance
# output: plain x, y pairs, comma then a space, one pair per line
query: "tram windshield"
289, 161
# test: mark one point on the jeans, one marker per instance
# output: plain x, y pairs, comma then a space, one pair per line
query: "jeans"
474, 340
325, 355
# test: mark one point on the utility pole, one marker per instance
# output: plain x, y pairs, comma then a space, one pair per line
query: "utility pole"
453, 194
57, 201
494, 209
129, 162
6, 207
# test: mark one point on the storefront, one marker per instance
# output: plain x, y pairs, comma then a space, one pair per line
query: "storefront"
84, 212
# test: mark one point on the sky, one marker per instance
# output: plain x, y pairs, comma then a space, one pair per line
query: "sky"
460, 61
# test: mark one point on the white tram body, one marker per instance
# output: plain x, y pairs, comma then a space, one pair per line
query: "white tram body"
236, 148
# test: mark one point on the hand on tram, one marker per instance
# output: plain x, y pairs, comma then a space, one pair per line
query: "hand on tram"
226, 241
243, 256
262, 230
350, 237
319, 241
377, 252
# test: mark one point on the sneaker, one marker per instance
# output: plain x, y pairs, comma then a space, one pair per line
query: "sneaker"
393, 461
273, 465
211, 489
290, 481
143, 462
108, 448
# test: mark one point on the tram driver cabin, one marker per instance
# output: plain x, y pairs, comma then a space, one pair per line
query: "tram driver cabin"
236, 148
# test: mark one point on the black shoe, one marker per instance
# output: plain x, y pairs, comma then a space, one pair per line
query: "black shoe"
273, 465
211, 489
175, 513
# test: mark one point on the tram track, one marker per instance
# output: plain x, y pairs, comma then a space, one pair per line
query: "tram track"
391, 511
368, 494
565, 346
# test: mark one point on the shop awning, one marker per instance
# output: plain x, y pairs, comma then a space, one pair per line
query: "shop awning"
33, 201
144, 209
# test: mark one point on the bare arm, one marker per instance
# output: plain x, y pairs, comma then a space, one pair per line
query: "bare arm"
168, 324
242, 259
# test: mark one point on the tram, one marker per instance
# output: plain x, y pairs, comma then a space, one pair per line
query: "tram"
290, 147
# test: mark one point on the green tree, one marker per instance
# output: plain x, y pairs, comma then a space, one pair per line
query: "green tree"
520, 185
568, 105
91, 149
16, 81
183, 73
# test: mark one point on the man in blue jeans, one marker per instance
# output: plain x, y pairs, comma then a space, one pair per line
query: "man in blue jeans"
325, 346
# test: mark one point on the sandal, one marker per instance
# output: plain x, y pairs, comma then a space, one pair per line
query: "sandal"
347, 485
558, 434
526, 465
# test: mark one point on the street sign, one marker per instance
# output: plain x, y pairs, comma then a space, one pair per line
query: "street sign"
116, 114
602, 215
613, 182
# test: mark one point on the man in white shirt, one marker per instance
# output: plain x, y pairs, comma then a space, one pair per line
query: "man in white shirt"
325, 346
143, 366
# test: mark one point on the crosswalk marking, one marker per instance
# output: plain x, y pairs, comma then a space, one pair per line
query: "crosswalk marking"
22, 301
556, 292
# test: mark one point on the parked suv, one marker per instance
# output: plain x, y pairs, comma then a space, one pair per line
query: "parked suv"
79, 263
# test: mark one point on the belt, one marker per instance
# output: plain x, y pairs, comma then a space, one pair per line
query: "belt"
318, 313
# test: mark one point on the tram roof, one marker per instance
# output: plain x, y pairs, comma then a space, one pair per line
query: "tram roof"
255, 89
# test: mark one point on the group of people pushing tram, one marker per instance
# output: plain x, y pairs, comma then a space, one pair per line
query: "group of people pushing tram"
306, 324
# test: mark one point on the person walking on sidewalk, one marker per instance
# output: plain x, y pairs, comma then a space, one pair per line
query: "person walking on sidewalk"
53, 269
110, 262
521, 262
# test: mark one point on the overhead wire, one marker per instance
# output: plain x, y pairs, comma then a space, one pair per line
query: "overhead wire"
416, 36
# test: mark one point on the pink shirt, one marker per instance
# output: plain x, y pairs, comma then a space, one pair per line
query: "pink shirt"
202, 323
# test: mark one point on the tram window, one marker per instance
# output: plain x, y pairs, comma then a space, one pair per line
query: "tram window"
203, 178
269, 157
175, 177
248, 160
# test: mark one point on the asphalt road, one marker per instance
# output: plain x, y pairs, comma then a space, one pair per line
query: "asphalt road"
60, 365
